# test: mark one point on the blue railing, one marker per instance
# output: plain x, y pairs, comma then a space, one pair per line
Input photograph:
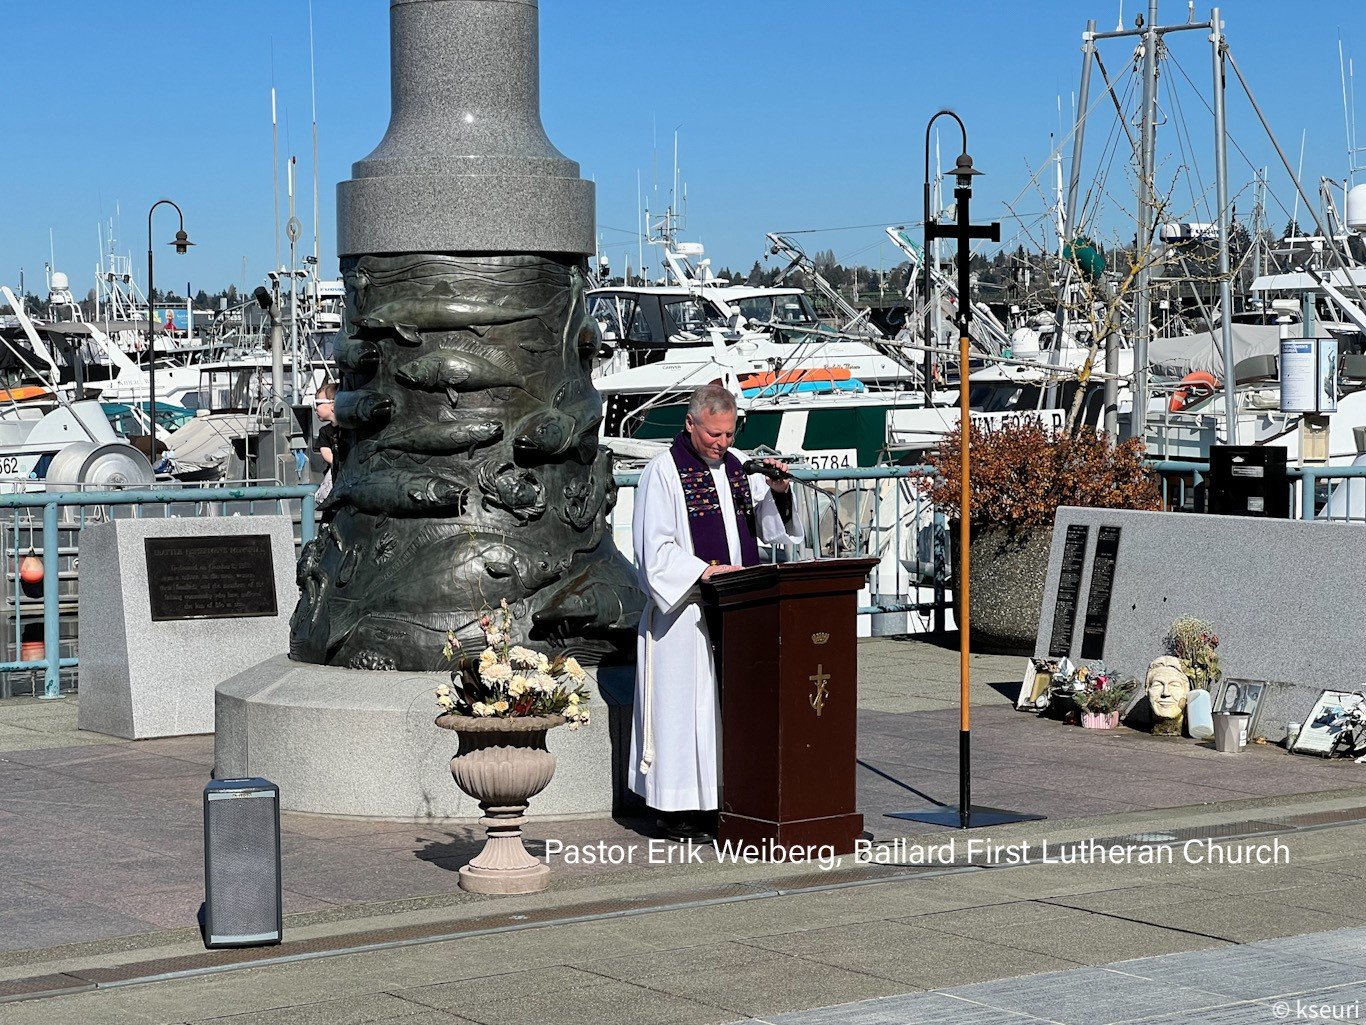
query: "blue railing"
870, 520
52, 505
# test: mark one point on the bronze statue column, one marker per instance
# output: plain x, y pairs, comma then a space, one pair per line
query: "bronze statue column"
470, 470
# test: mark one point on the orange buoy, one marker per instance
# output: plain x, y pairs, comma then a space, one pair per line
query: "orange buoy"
31, 569
1196, 384
32, 651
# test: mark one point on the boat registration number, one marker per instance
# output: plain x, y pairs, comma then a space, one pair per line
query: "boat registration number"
840, 459
13, 466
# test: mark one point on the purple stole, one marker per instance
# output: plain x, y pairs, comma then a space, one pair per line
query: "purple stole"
705, 522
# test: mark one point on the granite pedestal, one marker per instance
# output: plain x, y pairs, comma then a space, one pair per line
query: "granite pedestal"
358, 742
1281, 595
144, 678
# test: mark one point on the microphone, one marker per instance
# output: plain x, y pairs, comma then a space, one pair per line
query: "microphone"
759, 466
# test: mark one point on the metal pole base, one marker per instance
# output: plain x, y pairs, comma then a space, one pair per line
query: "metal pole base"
973, 817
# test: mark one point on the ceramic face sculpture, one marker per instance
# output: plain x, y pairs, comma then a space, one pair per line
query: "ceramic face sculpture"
1167, 688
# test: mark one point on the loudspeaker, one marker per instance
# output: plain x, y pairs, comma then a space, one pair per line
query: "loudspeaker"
243, 905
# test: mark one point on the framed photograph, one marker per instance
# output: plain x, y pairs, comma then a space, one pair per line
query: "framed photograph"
1233, 695
1038, 677
1323, 725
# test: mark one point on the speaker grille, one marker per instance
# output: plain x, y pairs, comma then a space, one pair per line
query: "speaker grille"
241, 863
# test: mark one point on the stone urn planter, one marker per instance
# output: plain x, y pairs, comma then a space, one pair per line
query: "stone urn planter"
502, 764
1008, 573
1100, 720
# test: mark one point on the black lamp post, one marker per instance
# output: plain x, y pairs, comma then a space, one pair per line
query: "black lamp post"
182, 244
928, 372
965, 815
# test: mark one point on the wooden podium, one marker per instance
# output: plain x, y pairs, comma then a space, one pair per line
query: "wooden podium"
785, 639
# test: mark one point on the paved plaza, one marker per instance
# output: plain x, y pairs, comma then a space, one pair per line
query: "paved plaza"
102, 842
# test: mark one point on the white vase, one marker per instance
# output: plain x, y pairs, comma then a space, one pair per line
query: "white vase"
1199, 718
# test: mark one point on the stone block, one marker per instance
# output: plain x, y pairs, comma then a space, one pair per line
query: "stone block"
356, 742
142, 678
1274, 591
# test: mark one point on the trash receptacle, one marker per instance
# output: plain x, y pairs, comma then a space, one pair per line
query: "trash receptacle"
1248, 480
1229, 732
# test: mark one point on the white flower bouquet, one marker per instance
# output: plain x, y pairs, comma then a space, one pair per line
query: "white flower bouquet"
509, 680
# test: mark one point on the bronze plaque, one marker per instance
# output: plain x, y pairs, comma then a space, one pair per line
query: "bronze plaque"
215, 577
1069, 590
1098, 598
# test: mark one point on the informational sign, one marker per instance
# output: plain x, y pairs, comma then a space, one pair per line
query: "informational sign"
1098, 597
1309, 375
1069, 590
215, 577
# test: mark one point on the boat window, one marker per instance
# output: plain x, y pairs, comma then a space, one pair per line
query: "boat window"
638, 325
783, 309
613, 313
994, 398
691, 316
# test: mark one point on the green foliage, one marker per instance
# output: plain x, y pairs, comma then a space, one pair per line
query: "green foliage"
1022, 472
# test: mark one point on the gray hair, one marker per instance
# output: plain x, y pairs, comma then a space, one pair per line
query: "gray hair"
711, 398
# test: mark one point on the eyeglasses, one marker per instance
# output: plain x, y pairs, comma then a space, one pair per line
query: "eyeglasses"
324, 402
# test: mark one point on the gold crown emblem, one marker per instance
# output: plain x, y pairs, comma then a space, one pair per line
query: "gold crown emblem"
820, 638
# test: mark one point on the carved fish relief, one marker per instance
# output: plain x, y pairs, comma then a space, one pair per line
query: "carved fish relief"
398, 491
363, 408
455, 371
409, 316
441, 438
355, 355
584, 499
517, 491
502, 561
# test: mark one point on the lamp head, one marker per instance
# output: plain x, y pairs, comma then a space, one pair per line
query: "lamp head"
964, 171
182, 242
262, 297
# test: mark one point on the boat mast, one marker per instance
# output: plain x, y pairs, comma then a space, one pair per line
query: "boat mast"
313, 93
1069, 226
1138, 422
1221, 177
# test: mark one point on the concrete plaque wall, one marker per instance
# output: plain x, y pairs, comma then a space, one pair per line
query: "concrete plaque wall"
141, 677
1283, 596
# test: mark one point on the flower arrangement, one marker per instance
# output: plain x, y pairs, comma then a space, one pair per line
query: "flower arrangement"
509, 680
1194, 641
1097, 689
1022, 472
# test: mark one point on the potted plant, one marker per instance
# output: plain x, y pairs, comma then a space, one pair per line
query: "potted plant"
1022, 471
1099, 696
501, 705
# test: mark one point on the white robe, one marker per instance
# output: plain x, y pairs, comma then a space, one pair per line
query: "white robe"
674, 749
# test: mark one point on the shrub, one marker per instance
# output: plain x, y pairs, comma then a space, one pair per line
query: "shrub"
1022, 472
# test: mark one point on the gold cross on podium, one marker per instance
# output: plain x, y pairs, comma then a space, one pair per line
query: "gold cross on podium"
821, 679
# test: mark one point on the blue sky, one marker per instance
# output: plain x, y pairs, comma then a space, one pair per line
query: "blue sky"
801, 114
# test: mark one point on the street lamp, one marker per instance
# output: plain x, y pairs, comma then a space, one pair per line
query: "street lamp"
182, 244
930, 217
965, 815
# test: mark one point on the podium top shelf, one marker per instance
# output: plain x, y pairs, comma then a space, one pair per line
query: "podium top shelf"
788, 579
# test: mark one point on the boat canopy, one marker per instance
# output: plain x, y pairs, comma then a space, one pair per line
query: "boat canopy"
1177, 356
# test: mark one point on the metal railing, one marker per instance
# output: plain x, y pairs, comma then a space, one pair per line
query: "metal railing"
48, 515
882, 511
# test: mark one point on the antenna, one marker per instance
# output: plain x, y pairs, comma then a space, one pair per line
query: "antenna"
1299, 174
313, 93
1346, 113
275, 158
